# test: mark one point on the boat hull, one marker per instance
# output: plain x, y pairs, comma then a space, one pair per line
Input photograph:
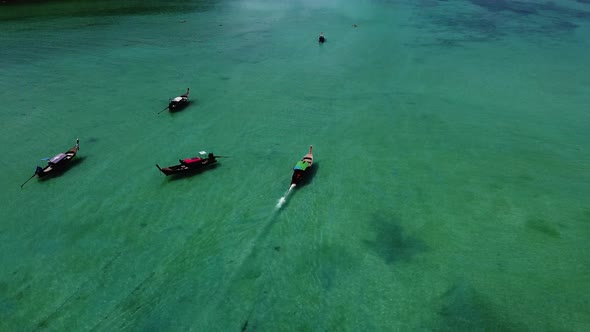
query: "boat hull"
62, 165
185, 168
177, 106
298, 177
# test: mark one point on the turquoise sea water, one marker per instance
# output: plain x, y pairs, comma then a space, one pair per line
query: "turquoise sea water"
451, 180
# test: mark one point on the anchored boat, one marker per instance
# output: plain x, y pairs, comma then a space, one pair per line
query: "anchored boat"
179, 102
188, 165
56, 164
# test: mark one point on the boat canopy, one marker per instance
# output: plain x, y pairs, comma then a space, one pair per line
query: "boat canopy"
57, 158
192, 160
177, 99
301, 165
202, 156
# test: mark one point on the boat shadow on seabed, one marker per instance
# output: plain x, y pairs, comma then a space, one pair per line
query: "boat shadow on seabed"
190, 173
191, 103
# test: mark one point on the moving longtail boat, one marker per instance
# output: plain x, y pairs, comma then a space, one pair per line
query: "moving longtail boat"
300, 173
302, 168
56, 164
188, 165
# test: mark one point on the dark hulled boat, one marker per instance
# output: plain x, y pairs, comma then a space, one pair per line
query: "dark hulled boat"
188, 165
57, 164
179, 102
302, 167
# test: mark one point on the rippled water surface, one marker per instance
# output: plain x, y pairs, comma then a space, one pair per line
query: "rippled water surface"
449, 189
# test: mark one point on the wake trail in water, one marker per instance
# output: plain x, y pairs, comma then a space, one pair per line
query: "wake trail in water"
283, 199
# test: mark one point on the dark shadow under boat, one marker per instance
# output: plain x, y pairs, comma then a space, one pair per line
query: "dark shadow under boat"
61, 171
309, 178
177, 107
190, 173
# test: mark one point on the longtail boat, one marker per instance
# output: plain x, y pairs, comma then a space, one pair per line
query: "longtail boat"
300, 173
302, 167
188, 165
56, 164
179, 102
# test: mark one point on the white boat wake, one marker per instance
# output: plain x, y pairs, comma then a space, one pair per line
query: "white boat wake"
283, 199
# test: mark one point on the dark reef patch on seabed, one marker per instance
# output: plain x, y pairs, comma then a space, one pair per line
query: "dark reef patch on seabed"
528, 8
390, 242
517, 7
334, 260
501, 18
54, 8
465, 309
543, 226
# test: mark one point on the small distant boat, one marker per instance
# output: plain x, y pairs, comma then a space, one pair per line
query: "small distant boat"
321, 38
56, 164
302, 167
188, 165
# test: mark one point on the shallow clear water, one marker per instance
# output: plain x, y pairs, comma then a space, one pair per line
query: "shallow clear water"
451, 173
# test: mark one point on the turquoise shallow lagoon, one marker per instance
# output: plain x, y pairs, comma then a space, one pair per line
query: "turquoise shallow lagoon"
451, 180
